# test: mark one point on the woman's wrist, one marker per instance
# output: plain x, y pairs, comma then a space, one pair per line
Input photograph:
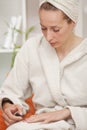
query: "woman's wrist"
67, 113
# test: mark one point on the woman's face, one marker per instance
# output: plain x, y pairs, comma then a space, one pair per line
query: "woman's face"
55, 28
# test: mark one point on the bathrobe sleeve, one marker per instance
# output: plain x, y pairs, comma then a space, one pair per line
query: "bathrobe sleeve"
79, 116
16, 86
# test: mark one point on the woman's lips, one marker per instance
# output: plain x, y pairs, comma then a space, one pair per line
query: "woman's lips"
52, 43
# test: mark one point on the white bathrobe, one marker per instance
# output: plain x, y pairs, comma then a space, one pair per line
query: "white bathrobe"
56, 85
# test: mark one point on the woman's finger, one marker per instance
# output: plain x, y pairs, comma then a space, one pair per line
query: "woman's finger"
7, 120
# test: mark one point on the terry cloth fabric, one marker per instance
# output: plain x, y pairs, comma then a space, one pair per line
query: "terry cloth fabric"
69, 7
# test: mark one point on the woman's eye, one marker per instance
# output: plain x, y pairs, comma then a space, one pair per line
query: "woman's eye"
56, 30
43, 29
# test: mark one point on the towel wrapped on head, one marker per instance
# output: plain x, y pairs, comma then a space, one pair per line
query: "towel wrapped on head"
69, 7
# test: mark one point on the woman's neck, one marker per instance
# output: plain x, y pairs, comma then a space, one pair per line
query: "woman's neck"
68, 46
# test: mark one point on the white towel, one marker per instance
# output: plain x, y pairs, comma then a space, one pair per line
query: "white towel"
69, 7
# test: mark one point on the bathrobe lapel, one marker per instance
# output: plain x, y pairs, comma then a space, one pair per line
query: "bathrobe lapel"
53, 69
50, 64
75, 55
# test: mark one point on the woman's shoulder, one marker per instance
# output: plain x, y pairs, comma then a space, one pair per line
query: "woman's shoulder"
34, 40
30, 47
31, 44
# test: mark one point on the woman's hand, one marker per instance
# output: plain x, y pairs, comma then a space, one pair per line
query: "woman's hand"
9, 111
50, 116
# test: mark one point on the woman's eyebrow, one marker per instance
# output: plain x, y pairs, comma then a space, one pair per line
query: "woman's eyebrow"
42, 25
54, 26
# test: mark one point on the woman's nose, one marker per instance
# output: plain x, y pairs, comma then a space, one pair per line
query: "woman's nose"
49, 36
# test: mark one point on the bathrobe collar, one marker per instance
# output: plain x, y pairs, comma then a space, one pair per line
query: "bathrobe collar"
53, 68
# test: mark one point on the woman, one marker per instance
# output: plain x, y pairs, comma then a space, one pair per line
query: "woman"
52, 67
